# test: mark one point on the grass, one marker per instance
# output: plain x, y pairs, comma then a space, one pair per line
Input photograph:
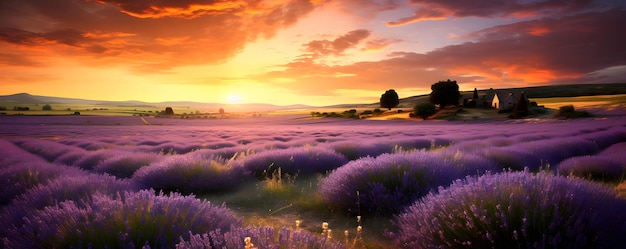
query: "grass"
279, 201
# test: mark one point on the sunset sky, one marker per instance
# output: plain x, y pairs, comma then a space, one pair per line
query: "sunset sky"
315, 52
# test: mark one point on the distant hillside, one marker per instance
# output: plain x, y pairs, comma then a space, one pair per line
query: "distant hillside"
531, 92
409, 102
573, 90
28, 99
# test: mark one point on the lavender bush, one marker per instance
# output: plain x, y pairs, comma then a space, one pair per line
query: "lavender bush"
386, 183
123, 164
552, 151
593, 168
10, 154
191, 174
259, 237
296, 160
615, 153
356, 150
48, 150
511, 158
63, 188
130, 220
18, 178
515, 210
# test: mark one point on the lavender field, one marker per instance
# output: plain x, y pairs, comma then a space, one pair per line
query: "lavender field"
293, 182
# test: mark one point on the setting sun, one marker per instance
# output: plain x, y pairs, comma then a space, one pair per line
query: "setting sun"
233, 99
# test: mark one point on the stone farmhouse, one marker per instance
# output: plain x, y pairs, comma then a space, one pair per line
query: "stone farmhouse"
506, 100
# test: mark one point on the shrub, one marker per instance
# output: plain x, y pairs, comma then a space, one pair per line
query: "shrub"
615, 153
424, 110
552, 151
260, 237
123, 164
58, 190
295, 160
11, 154
568, 111
190, 174
593, 168
385, 184
511, 158
48, 150
130, 220
515, 210
19, 178
355, 150
92, 158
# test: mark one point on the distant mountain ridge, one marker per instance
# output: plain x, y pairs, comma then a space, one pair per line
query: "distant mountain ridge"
28, 99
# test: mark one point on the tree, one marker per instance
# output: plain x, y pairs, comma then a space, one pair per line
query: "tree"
424, 110
46, 108
169, 111
389, 99
475, 96
221, 111
445, 93
521, 107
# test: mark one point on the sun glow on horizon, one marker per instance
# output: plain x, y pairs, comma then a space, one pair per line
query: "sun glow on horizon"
233, 99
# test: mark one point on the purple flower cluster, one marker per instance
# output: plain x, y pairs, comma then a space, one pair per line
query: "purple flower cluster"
515, 210
18, 178
596, 168
295, 160
391, 181
65, 187
191, 173
49, 150
128, 220
123, 164
257, 237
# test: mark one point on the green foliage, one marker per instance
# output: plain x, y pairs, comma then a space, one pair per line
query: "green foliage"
445, 93
568, 111
46, 108
424, 110
169, 111
389, 99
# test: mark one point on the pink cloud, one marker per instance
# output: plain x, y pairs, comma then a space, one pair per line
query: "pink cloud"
572, 49
338, 45
437, 10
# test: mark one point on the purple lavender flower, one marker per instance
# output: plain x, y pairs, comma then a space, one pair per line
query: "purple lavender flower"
65, 187
191, 173
515, 210
132, 219
123, 164
593, 168
297, 160
18, 178
386, 183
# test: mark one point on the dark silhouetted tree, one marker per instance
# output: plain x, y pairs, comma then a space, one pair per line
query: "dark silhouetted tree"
475, 96
46, 108
521, 107
445, 93
389, 99
424, 110
169, 111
